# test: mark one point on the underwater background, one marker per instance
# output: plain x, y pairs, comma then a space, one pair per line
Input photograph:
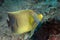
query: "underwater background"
49, 8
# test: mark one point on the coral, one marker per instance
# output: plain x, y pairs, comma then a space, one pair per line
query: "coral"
49, 28
49, 8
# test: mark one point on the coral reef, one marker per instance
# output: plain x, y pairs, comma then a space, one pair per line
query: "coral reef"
48, 29
49, 8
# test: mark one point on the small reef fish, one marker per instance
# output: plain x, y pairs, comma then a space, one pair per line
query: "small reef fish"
23, 21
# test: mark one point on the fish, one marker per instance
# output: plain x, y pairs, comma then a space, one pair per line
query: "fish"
23, 21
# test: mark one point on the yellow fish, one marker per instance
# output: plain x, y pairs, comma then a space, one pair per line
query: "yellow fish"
24, 20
